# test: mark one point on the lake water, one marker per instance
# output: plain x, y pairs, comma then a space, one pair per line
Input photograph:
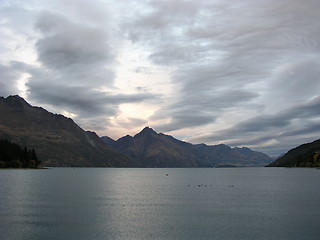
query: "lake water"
222, 204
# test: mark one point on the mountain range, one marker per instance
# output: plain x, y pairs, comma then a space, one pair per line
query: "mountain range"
59, 141
152, 149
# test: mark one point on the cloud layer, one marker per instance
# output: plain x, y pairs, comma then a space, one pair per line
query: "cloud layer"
244, 73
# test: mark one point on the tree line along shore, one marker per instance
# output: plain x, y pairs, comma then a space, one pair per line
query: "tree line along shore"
13, 155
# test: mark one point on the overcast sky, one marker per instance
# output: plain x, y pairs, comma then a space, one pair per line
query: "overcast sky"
242, 73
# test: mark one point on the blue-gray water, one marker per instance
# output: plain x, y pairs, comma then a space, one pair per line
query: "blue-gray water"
222, 204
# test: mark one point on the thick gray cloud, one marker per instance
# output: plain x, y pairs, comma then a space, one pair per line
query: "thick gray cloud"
197, 110
76, 59
71, 46
299, 123
258, 56
84, 101
240, 72
295, 82
77, 52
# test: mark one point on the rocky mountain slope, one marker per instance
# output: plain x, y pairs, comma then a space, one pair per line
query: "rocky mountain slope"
306, 155
57, 140
159, 150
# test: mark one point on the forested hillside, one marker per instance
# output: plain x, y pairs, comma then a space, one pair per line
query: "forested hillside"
306, 155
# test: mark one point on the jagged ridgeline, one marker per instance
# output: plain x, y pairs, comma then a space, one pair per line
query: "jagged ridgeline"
14, 156
60, 142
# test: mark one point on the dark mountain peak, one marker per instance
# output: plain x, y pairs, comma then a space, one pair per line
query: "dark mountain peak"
108, 140
125, 139
222, 146
201, 145
15, 101
15, 97
147, 131
243, 149
157, 149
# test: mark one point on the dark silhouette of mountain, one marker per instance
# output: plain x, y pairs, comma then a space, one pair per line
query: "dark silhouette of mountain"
156, 149
108, 140
224, 155
57, 140
306, 155
152, 149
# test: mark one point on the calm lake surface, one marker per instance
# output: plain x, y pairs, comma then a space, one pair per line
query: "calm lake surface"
98, 203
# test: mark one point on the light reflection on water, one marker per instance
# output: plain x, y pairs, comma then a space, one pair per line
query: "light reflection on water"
96, 203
